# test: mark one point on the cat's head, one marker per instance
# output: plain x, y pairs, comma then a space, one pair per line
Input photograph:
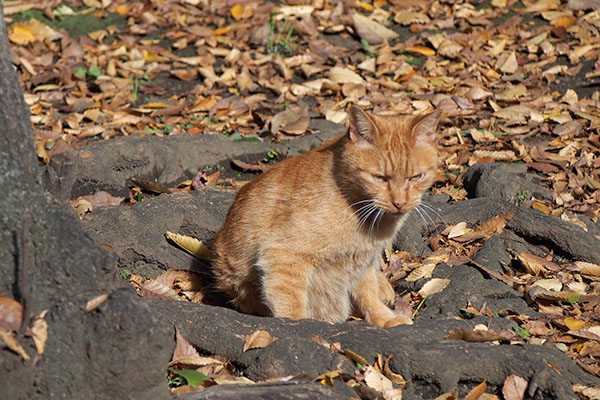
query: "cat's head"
394, 158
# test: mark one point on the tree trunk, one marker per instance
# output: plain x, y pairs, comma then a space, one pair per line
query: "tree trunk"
48, 263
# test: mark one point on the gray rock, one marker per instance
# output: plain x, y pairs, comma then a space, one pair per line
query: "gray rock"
506, 181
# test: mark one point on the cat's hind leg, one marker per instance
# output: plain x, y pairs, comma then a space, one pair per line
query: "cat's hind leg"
285, 282
370, 295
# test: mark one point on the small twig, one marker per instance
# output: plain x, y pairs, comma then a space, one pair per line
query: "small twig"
23, 274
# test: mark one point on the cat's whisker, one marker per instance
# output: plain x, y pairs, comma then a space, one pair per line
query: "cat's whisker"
439, 216
433, 226
366, 216
374, 221
425, 222
361, 209
362, 201
433, 210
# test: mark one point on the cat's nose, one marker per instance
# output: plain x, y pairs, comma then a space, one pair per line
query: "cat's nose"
399, 204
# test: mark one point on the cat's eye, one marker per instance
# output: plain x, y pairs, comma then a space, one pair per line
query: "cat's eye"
380, 178
417, 178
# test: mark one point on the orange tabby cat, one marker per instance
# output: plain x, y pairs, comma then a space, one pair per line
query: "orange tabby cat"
304, 239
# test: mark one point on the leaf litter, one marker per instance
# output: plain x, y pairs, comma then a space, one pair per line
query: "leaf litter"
499, 72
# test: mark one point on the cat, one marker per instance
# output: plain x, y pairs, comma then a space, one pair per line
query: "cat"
303, 240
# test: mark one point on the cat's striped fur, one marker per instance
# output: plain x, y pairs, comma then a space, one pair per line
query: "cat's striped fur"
303, 239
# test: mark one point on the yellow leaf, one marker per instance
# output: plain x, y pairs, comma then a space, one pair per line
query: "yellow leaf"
20, 35
355, 357
123, 9
155, 105
564, 22
12, 343
237, 11
258, 340
326, 378
41, 151
39, 331
422, 50
574, 324
542, 207
221, 31
190, 244
364, 6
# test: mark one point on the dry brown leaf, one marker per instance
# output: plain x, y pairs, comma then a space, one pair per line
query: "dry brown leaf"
372, 31
551, 284
434, 286
406, 17
534, 264
391, 375
458, 230
259, 339
31, 31
357, 358
339, 75
587, 269
293, 120
424, 271
183, 349
150, 186
182, 279
11, 314
473, 336
514, 387
12, 343
153, 289
376, 380
477, 391
95, 302
39, 332
189, 244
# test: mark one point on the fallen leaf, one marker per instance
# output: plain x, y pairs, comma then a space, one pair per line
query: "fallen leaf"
434, 286
12, 343
477, 391
39, 332
95, 302
189, 244
183, 348
11, 314
536, 265
458, 230
372, 31
376, 380
153, 289
150, 186
341, 75
259, 339
587, 269
514, 387
573, 324
421, 50
357, 358
293, 120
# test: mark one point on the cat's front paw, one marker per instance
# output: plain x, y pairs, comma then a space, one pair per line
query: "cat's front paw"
398, 320
389, 319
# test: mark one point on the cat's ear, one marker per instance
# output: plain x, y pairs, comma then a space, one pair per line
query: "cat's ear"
425, 126
362, 129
